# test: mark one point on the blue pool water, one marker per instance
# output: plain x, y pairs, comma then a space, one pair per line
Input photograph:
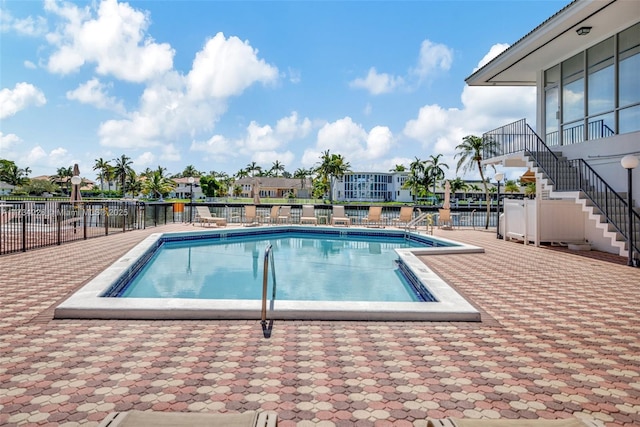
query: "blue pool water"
309, 267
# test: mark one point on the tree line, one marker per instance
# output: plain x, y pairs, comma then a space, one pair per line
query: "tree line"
422, 175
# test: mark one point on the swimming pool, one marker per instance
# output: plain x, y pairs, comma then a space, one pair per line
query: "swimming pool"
309, 267
177, 298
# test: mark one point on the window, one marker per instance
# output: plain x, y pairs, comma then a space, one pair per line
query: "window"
573, 99
582, 101
628, 81
552, 106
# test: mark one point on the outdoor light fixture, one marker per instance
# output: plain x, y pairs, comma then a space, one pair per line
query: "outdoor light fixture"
76, 180
583, 31
629, 162
499, 176
191, 181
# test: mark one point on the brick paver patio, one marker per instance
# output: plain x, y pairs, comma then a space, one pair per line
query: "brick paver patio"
561, 338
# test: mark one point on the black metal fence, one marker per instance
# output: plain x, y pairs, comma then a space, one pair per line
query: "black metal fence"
30, 224
35, 223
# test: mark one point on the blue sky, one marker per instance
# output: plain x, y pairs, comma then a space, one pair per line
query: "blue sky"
221, 84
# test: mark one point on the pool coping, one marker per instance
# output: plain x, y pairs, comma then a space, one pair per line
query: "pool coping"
86, 303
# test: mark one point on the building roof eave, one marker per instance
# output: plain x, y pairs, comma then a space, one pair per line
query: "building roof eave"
554, 40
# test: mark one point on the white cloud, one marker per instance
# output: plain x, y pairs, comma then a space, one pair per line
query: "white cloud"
267, 158
22, 96
349, 139
226, 67
7, 141
170, 153
28, 26
495, 50
138, 132
94, 93
29, 65
218, 146
35, 155
377, 83
292, 127
433, 57
144, 160
114, 41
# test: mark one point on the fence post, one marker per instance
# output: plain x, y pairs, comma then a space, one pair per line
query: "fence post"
24, 229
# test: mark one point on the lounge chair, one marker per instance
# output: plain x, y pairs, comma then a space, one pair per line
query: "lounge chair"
468, 422
204, 217
444, 219
374, 217
284, 216
308, 215
272, 218
250, 216
339, 217
405, 217
177, 419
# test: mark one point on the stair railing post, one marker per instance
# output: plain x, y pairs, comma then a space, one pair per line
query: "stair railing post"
630, 162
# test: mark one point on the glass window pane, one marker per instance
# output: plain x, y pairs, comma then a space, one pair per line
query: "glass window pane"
552, 76
629, 120
551, 119
573, 88
629, 59
601, 85
601, 126
572, 133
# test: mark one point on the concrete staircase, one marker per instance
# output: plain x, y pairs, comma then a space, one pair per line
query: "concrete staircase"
575, 180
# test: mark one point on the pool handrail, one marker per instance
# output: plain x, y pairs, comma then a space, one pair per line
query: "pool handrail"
268, 255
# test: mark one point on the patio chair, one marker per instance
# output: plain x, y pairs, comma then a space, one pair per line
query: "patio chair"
374, 217
339, 216
444, 219
468, 220
272, 218
204, 217
308, 215
284, 216
177, 419
405, 217
250, 216
468, 422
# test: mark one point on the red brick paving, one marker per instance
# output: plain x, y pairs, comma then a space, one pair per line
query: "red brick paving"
561, 338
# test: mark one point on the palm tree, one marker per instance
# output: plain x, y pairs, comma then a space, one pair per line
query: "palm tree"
101, 166
434, 170
417, 179
157, 184
121, 170
302, 174
511, 186
190, 170
276, 168
133, 185
471, 151
252, 168
242, 173
332, 166
398, 168
458, 185
63, 175
12, 174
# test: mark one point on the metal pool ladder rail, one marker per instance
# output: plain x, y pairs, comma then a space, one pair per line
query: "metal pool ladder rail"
268, 257
414, 222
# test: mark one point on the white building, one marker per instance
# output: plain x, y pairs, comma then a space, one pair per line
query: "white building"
372, 187
584, 62
184, 188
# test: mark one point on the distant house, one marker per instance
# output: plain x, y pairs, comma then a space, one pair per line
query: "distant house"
5, 188
372, 187
184, 188
275, 187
